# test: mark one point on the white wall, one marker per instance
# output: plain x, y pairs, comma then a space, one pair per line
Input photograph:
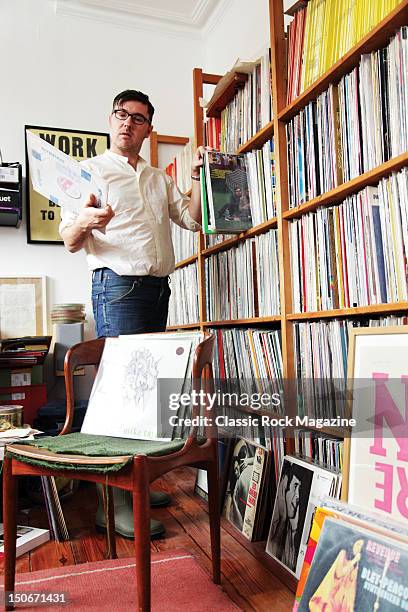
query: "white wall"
64, 72
241, 32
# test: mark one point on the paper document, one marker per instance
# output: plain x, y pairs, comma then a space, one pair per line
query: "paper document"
60, 178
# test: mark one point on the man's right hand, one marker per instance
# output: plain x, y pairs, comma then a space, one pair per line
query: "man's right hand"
91, 217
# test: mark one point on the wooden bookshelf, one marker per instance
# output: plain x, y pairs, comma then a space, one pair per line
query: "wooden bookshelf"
185, 326
223, 97
295, 7
282, 113
374, 40
230, 242
238, 322
333, 432
259, 139
340, 193
356, 311
186, 262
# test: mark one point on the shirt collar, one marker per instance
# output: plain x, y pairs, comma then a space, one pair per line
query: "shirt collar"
141, 163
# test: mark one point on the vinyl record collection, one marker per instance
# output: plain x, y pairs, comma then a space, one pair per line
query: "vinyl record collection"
353, 254
352, 127
185, 311
251, 281
249, 110
322, 32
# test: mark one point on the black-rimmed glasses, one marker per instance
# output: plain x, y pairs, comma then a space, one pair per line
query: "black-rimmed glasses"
137, 118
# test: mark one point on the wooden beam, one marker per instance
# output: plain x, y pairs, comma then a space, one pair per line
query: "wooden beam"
173, 140
154, 152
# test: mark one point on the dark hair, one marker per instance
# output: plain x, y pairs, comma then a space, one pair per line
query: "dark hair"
138, 96
296, 471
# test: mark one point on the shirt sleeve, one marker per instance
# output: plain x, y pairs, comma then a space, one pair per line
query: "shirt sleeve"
178, 207
67, 218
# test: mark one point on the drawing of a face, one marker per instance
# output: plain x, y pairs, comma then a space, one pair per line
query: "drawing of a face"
292, 497
140, 374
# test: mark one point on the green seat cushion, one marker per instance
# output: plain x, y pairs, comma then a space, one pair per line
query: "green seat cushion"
98, 446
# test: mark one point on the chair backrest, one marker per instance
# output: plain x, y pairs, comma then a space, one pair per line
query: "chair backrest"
90, 353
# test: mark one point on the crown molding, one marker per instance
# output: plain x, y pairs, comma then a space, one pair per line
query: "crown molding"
137, 10
221, 7
99, 11
202, 9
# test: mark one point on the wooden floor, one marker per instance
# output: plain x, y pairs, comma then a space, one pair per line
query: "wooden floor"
250, 584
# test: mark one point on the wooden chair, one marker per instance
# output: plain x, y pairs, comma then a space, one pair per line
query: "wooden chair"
140, 469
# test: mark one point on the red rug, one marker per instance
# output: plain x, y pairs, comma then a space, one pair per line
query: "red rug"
178, 583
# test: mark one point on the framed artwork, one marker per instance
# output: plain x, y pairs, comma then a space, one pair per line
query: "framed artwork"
43, 216
376, 454
23, 306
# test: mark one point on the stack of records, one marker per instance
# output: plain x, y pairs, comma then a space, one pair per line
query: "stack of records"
68, 313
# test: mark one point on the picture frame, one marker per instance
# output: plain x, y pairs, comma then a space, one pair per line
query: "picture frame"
43, 216
23, 306
376, 453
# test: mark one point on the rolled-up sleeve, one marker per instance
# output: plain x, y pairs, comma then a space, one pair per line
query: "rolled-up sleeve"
178, 207
67, 219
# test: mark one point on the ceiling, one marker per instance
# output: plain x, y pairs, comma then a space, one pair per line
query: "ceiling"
189, 17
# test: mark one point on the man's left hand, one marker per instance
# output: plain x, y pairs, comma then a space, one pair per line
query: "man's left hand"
197, 162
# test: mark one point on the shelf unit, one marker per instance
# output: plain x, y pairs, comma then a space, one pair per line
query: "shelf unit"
156, 140
282, 114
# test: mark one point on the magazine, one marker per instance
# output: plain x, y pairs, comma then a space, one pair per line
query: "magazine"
348, 513
226, 204
356, 570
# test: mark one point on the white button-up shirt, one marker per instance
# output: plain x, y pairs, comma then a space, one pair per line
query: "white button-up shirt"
138, 238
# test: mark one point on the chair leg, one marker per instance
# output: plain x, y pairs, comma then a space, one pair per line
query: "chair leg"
10, 529
109, 507
141, 513
214, 512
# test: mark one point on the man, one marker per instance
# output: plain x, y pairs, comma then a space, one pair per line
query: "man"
243, 469
128, 244
285, 522
131, 261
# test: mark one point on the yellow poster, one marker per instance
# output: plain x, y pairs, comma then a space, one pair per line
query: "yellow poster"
43, 216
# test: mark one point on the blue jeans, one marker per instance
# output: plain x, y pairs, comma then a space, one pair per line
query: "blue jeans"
129, 304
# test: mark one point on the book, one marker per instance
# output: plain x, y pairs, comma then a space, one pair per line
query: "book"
226, 198
27, 539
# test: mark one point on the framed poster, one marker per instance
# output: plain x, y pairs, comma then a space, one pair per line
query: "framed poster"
23, 306
43, 216
376, 455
